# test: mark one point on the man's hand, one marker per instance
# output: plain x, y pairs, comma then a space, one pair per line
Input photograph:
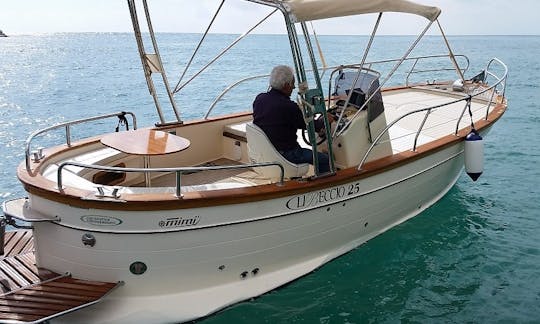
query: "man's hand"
330, 118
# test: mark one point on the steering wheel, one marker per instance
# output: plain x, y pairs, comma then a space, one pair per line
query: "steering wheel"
322, 135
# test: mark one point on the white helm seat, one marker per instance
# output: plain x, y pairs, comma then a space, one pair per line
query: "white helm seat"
260, 150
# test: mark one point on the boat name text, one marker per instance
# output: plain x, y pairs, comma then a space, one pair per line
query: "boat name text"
101, 220
316, 198
179, 222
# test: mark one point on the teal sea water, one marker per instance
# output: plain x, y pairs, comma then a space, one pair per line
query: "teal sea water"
474, 257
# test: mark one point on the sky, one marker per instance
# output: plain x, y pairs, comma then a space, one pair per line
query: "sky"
459, 17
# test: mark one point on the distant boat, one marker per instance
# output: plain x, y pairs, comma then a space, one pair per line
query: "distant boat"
2, 34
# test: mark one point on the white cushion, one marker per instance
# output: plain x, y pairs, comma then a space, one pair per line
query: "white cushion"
238, 129
260, 150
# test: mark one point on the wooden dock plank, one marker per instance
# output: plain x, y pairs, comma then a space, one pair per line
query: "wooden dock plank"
22, 269
46, 288
31, 304
26, 311
80, 287
24, 242
35, 299
15, 276
17, 242
19, 317
6, 283
84, 282
52, 295
10, 241
28, 259
32, 294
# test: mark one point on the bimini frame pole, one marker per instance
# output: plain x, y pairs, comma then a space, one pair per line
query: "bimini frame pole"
362, 62
180, 87
176, 88
303, 92
317, 77
151, 62
388, 76
452, 57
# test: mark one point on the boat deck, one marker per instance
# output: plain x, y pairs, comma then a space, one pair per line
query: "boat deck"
33, 295
239, 177
406, 110
438, 123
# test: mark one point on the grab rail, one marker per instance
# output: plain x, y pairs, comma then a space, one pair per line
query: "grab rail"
67, 125
494, 89
499, 80
395, 121
233, 85
417, 59
178, 171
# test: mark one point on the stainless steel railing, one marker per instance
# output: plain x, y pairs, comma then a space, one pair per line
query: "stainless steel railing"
177, 171
38, 155
412, 70
416, 60
499, 88
498, 80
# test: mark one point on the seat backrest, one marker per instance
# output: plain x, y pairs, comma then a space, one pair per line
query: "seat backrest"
260, 149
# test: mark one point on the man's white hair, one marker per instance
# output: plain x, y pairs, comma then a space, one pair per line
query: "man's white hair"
281, 75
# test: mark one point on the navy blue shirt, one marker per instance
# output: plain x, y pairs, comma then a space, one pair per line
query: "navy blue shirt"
279, 117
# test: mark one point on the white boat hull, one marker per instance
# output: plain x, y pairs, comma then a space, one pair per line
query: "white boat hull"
234, 252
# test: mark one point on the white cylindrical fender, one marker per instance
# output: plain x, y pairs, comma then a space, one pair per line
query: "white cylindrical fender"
474, 155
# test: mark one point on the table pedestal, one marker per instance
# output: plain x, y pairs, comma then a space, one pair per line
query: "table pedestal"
145, 142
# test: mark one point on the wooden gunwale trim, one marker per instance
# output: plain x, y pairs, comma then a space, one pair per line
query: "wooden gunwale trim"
209, 120
44, 188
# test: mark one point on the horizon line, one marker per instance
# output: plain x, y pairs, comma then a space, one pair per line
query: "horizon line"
262, 34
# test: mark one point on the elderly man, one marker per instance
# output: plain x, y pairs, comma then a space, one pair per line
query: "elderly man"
280, 117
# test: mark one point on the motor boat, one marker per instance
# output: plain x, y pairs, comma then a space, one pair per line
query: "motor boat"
174, 222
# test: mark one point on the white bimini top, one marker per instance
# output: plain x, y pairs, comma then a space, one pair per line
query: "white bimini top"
306, 10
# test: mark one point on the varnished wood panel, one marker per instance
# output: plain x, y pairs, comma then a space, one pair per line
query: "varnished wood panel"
145, 142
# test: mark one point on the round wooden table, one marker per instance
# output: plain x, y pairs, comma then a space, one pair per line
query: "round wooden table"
145, 142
